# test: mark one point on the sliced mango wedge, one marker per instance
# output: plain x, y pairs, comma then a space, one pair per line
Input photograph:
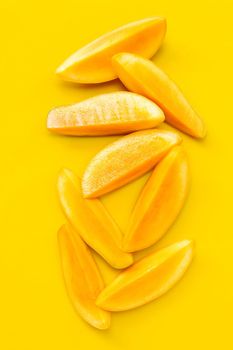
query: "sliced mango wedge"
109, 114
144, 77
82, 278
148, 278
92, 63
160, 201
92, 221
126, 159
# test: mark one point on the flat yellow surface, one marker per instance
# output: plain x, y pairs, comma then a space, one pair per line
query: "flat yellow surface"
35, 312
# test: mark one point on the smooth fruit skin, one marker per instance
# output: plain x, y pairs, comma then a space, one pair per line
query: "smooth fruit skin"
126, 159
148, 278
160, 201
108, 114
144, 77
92, 63
91, 221
82, 278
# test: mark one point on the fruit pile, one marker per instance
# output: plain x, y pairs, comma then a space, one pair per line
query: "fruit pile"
152, 98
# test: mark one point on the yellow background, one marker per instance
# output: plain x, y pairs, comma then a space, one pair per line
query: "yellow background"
35, 312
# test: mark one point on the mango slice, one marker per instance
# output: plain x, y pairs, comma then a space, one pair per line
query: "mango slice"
82, 278
92, 63
92, 221
109, 114
160, 201
148, 278
126, 159
144, 77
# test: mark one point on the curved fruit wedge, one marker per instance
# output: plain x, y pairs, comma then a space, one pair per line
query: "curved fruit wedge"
92, 221
92, 63
82, 278
148, 278
126, 159
144, 77
109, 114
160, 201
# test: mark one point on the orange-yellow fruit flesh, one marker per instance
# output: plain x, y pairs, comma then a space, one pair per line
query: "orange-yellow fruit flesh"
160, 201
147, 279
108, 114
92, 63
126, 159
92, 221
82, 278
144, 77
